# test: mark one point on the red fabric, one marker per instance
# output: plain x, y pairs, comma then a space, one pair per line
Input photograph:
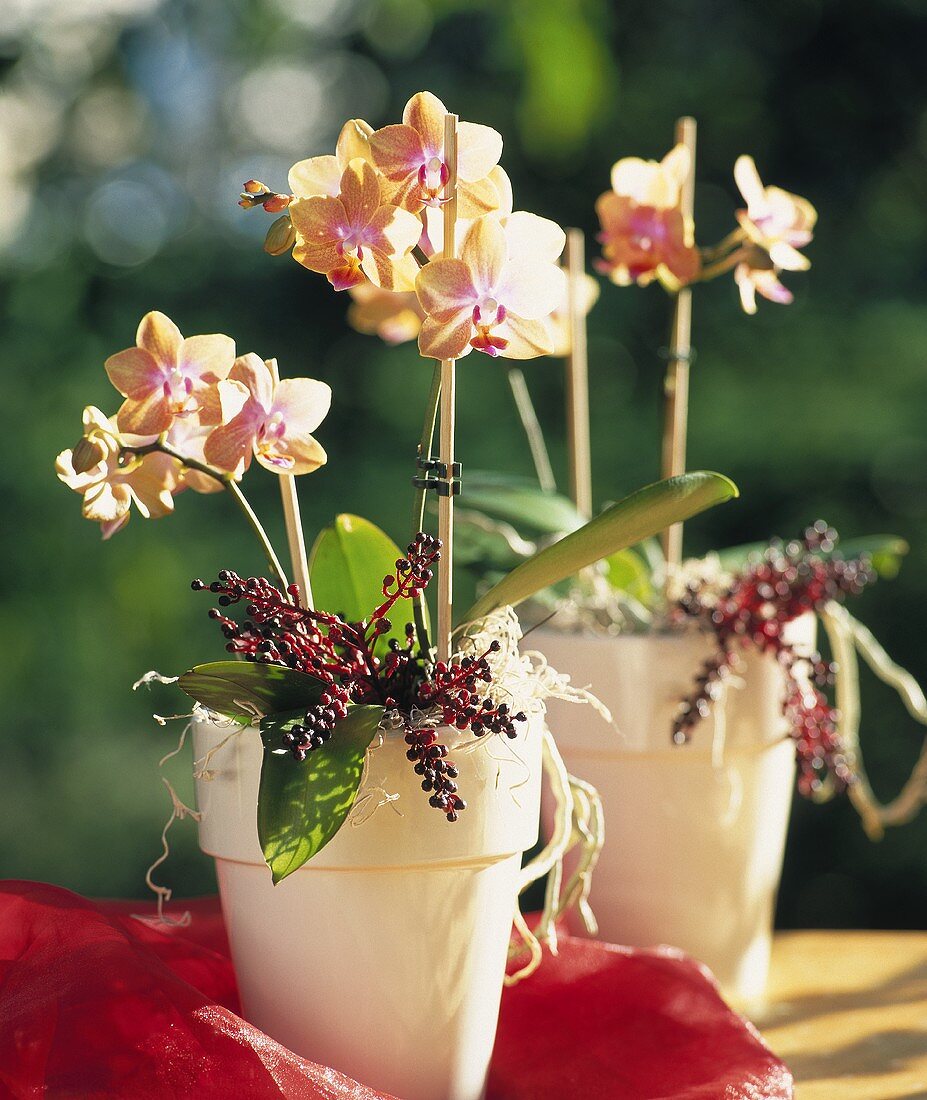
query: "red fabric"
96, 1004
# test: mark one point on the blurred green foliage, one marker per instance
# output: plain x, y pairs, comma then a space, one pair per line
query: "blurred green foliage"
126, 137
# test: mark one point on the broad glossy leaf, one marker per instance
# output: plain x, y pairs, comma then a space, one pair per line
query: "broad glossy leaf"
637, 517
349, 560
302, 805
520, 502
885, 551
627, 572
244, 689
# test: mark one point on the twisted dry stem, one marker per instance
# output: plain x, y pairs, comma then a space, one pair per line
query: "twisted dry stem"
848, 637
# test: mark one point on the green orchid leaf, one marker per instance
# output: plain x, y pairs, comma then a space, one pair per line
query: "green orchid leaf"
631, 520
627, 571
248, 689
521, 503
302, 805
347, 565
885, 552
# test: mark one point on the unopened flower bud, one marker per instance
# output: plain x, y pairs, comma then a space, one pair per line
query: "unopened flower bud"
280, 237
275, 203
255, 187
87, 454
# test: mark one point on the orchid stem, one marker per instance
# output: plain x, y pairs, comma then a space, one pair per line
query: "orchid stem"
532, 428
229, 483
418, 506
732, 240
719, 267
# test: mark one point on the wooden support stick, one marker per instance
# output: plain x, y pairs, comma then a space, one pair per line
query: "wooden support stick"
294, 527
448, 397
676, 385
577, 379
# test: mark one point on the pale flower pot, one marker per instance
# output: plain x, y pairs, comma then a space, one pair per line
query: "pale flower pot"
694, 834
384, 955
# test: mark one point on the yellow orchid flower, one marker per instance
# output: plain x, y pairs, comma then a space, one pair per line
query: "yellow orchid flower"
498, 296
268, 420
775, 220
411, 157
356, 235
166, 375
587, 296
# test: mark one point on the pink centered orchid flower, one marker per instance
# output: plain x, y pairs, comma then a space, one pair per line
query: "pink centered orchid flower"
165, 375
269, 420
109, 487
498, 295
775, 220
411, 157
356, 235
644, 234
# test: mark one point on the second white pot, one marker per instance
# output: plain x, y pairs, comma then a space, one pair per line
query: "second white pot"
384, 955
695, 834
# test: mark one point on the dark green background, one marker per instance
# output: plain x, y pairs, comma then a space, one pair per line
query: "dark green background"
120, 197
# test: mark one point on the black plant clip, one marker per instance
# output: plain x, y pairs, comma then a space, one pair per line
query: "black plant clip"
444, 479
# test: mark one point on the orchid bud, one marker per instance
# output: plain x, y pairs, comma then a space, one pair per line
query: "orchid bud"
275, 203
280, 237
255, 187
87, 454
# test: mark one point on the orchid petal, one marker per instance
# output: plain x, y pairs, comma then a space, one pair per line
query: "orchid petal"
448, 339
528, 236
747, 289
134, 372
360, 193
479, 198
150, 416
315, 176
478, 150
748, 181
209, 357
425, 113
353, 141
106, 502
527, 339
159, 335
257, 376
303, 403
230, 446
484, 251
444, 288
293, 456
397, 151
785, 256
531, 289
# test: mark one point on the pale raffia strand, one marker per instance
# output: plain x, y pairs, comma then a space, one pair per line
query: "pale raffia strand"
848, 637
526, 680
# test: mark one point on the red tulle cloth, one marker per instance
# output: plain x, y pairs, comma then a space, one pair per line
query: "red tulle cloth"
95, 1003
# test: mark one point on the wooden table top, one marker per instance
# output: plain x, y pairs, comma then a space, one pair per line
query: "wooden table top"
848, 1013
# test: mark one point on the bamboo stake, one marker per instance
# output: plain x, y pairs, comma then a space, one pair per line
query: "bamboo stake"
676, 385
294, 528
448, 399
577, 378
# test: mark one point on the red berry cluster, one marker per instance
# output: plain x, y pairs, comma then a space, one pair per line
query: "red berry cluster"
278, 630
789, 580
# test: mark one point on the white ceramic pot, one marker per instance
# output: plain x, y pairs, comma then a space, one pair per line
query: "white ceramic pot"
694, 833
384, 955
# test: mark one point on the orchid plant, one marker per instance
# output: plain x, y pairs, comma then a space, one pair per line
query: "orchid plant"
323, 678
